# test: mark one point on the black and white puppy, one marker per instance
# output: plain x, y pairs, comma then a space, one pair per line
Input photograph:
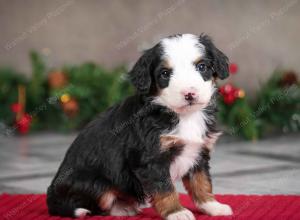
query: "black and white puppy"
136, 150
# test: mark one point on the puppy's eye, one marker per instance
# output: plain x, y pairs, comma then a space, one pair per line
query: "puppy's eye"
165, 74
201, 67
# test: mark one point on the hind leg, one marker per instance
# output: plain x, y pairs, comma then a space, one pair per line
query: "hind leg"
107, 199
76, 195
115, 204
123, 208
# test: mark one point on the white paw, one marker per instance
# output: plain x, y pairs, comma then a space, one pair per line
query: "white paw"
81, 212
123, 209
145, 205
181, 215
215, 208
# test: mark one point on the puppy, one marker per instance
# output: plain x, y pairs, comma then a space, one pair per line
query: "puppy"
136, 150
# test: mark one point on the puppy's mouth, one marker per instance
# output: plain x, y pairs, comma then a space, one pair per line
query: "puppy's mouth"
191, 106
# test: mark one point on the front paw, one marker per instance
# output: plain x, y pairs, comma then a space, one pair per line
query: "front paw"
215, 208
183, 214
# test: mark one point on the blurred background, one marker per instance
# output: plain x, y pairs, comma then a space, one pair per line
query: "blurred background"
64, 61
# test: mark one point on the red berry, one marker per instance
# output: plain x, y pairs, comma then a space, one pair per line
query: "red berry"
16, 107
233, 68
23, 124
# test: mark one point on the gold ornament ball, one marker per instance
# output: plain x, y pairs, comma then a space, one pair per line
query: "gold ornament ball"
241, 93
65, 98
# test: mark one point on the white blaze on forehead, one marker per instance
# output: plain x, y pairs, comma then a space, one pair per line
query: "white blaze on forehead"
182, 49
180, 53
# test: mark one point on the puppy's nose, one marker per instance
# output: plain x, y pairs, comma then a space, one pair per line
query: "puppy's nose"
190, 94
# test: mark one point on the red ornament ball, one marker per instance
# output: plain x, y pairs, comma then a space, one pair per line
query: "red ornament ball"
229, 99
231, 93
71, 107
57, 79
225, 89
228, 88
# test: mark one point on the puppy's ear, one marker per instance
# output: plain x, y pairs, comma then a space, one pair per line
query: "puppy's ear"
140, 75
218, 58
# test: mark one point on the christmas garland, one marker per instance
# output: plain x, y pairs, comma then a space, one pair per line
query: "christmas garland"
275, 108
67, 98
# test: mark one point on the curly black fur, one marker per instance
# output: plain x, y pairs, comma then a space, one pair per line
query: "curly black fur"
104, 157
219, 60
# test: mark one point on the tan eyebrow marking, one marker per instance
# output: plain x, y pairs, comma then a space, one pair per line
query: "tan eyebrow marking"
197, 60
166, 64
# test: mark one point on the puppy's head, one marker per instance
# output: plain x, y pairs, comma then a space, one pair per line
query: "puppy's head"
179, 72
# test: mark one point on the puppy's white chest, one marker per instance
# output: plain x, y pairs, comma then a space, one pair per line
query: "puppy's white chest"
191, 129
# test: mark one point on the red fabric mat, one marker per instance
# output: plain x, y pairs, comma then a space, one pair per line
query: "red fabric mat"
33, 207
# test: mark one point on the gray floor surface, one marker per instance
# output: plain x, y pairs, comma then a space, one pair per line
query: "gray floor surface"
270, 166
